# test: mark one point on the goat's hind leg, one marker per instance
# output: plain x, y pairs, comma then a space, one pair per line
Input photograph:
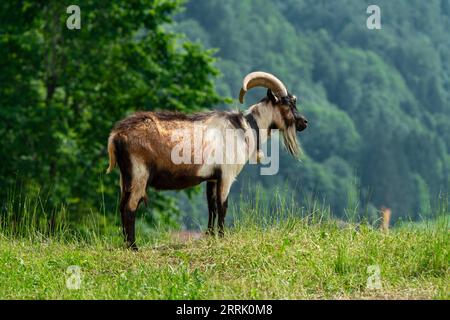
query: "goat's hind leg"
211, 195
131, 198
125, 196
128, 216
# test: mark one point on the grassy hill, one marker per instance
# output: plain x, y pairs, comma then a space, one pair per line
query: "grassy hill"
258, 259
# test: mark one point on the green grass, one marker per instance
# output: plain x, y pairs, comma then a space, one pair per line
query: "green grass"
287, 252
260, 258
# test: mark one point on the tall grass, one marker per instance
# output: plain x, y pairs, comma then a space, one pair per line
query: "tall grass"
24, 215
262, 209
28, 216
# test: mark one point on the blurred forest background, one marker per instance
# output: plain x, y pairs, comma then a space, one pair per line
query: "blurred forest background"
378, 101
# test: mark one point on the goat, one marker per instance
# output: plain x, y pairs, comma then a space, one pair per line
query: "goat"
142, 146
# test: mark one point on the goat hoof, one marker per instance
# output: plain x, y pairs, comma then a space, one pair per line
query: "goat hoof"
133, 247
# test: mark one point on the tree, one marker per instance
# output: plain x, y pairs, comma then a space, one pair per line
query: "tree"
62, 90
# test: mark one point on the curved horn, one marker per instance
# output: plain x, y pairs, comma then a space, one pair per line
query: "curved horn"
262, 79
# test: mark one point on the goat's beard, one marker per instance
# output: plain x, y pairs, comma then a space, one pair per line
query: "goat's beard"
290, 140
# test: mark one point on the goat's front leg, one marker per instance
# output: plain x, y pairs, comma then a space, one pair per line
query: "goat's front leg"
223, 189
211, 195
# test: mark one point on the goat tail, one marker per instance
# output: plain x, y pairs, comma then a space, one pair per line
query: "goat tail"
111, 153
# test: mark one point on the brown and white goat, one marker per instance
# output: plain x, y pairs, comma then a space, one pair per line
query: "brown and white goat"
142, 145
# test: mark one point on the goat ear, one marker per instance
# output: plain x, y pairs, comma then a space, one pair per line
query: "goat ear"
272, 96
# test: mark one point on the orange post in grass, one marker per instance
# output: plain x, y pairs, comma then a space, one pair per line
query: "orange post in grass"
385, 218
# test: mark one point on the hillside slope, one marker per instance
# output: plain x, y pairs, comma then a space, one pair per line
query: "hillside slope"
378, 101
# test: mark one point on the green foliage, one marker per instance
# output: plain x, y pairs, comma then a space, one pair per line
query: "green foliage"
378, 102
62, 91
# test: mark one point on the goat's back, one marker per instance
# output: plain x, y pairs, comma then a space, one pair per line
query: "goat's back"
150, 138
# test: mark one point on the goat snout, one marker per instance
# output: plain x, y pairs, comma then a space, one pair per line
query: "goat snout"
301, 123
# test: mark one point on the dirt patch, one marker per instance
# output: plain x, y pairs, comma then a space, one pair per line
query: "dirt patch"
186, 236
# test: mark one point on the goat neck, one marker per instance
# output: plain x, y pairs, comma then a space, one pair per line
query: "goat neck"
264, 116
